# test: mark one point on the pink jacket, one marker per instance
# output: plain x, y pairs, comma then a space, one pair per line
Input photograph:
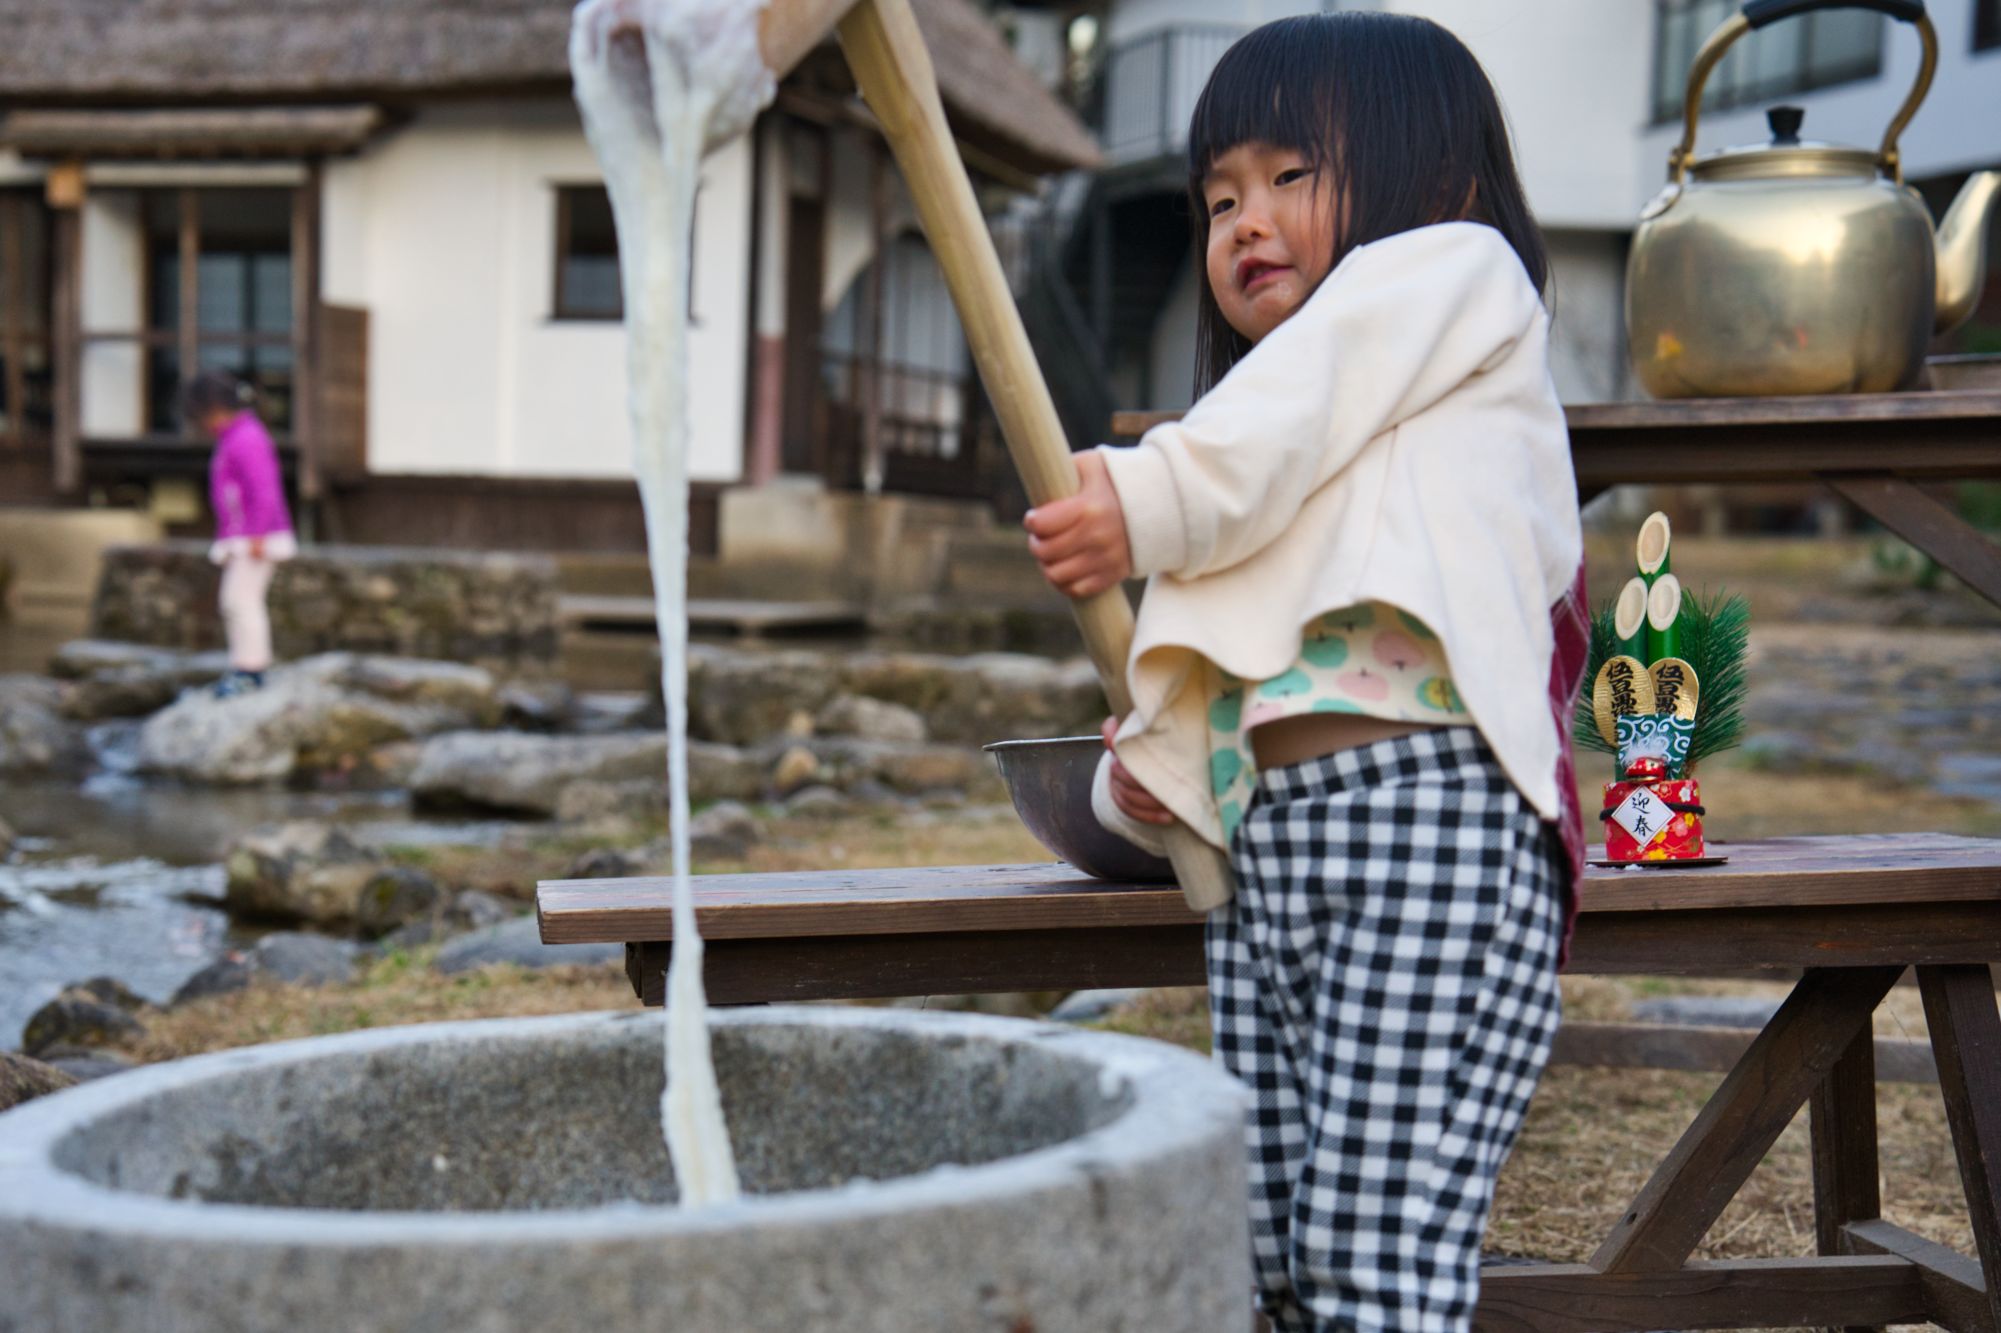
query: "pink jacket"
244, 483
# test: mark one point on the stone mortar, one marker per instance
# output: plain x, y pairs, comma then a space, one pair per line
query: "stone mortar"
905, 1171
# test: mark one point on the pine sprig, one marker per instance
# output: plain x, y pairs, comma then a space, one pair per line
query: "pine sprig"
1604, 646
1715, 638
1715, 635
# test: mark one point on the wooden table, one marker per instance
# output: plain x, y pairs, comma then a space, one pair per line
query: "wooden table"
1876, 450
1851, 912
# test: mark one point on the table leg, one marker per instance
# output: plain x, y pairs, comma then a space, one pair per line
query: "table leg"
1845, 1188
1928, 525
1744, 1118
1966, 1036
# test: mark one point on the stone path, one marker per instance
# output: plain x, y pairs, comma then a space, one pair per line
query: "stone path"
1915, 706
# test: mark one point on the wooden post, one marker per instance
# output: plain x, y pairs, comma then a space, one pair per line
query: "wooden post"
187, 342
1842, 1112
886, 53
1966, 1035
869, 356
306, 337
66, 197
13, 339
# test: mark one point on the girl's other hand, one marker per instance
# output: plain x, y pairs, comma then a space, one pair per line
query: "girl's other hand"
1133, 800
1080, 541
256, 548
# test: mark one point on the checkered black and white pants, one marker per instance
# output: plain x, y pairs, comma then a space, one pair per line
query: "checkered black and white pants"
1386, 982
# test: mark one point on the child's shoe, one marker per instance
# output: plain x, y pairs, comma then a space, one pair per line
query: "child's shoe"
236, 683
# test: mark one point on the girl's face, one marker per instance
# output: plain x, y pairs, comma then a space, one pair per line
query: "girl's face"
1272, 223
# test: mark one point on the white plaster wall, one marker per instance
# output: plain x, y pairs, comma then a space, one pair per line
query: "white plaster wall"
114, 301
1572, 76
1587, 351
445, 232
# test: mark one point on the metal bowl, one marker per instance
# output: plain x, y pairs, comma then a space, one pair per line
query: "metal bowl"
1050, 785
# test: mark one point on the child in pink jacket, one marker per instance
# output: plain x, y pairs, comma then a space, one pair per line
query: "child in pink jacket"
253, 528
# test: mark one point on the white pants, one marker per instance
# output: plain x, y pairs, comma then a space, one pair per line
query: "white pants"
246, 621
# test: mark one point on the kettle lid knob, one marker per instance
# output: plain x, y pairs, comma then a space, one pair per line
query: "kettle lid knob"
1785, 122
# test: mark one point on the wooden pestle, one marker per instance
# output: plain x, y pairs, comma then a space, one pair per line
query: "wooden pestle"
886, 53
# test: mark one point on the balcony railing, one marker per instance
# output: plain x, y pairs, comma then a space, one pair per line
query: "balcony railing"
1147, 89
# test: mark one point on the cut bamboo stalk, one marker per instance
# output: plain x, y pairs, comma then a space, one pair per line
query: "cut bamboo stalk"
1629, 618
886, 54
1651, 551
1664, 618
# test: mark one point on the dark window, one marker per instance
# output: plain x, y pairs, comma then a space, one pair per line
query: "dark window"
242, 295
1796, 56
1986, 24
586, 255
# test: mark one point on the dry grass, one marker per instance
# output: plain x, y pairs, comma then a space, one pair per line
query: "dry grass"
397, 990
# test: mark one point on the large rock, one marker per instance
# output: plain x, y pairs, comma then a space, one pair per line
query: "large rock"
745, 697
516, 771
291, 958
84, 1016
395, 896
34, 736
22, 1079
741, 698
519, 942
299, 872
327, 713
865, 767
107, 680
869, 719
984, 697
295, 958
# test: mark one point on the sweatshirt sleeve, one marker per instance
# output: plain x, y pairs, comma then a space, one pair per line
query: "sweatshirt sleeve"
1114, 820
1395, 328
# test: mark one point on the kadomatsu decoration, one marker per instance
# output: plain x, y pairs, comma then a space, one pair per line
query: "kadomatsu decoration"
1667, 682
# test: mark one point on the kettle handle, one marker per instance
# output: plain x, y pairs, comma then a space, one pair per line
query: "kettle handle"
1762, 13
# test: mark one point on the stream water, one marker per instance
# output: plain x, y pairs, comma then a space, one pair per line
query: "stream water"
117, 876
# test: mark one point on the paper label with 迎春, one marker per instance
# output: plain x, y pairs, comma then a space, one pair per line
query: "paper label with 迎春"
1643, 815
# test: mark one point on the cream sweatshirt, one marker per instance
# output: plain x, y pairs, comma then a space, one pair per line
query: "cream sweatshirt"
1398, 439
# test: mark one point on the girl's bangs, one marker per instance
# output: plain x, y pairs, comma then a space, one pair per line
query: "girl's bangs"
1257, 95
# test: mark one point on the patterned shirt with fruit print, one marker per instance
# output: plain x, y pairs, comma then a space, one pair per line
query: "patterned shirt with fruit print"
1372, 660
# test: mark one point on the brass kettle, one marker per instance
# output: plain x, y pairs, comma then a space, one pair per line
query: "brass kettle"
1797, 267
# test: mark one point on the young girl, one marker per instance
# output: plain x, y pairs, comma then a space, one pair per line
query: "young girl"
1360, 645
253, 529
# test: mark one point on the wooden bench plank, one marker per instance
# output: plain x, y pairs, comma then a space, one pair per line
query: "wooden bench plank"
1742, 1293
1953, 1287
1781, 873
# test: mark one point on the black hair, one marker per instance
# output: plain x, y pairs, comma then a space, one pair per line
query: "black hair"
1393, 107
214, 391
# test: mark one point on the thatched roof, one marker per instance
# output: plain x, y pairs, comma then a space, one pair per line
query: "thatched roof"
177, 52
190, 131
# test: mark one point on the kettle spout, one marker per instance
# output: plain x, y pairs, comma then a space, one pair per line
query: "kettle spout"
1962, 250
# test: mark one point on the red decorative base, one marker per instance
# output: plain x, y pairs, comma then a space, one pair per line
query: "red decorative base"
1662, 833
